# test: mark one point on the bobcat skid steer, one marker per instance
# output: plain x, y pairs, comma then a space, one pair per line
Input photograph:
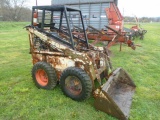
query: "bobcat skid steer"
61, 56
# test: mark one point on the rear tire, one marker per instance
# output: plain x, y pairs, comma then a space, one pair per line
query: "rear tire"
76, 84
44, 75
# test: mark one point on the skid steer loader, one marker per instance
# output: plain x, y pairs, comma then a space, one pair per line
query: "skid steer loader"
60, 56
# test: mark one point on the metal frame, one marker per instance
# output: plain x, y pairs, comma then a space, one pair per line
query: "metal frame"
64, 10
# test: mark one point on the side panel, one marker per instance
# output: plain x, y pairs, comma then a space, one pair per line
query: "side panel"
93, 11
58, 2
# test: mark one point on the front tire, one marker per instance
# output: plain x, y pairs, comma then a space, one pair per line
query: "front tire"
76, 84
44, 75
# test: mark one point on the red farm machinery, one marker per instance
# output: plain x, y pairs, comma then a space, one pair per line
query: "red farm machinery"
115, 32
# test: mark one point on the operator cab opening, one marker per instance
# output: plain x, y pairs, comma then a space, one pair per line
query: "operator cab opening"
57, 22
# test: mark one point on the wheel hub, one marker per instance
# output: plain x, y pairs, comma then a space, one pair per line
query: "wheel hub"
41, 77
73, 84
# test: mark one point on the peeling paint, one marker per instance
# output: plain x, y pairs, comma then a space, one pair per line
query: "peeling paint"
44, 48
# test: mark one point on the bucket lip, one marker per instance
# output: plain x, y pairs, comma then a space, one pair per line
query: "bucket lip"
121, 69
116, 70
110, 79
121, 116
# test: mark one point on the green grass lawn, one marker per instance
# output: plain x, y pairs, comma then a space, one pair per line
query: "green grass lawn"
21, 100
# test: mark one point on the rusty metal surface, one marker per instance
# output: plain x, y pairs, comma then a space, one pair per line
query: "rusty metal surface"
115, 96
93, 61
112, 38
114, 32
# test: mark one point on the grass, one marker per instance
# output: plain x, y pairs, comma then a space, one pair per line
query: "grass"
143, 66
21, 100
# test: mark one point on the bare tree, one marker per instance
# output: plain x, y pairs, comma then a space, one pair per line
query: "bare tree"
13, 10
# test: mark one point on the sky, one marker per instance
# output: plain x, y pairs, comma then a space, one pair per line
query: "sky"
139, 8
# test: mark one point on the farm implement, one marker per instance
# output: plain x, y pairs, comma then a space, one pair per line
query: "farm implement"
115, 31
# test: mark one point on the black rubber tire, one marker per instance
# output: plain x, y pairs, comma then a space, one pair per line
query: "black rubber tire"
141, 37
144, 31
138, 33
50, 72
85, 80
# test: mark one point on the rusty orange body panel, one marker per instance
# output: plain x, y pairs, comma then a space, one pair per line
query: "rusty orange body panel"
115, 18
92, 36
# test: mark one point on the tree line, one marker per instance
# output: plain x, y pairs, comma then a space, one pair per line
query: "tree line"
142, 19
14, 10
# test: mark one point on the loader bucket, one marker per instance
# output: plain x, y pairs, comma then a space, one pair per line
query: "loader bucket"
115, 96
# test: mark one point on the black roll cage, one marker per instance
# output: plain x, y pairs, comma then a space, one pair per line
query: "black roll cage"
63, 9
